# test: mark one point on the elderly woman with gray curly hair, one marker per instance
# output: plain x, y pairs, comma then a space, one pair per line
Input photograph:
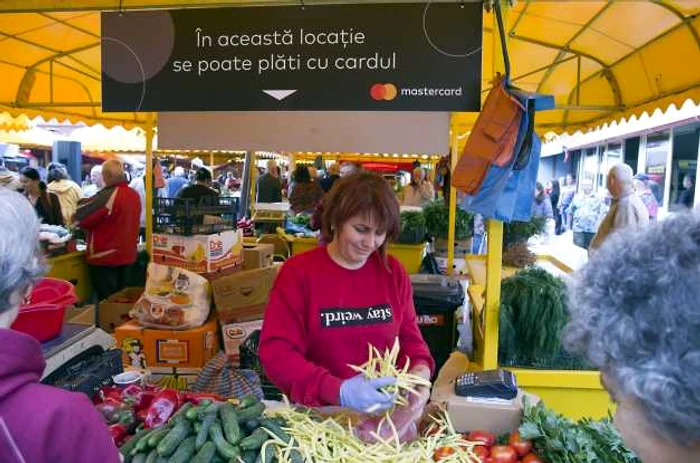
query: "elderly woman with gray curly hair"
38, 423
635, 314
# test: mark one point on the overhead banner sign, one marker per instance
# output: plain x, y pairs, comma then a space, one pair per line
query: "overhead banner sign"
381, 57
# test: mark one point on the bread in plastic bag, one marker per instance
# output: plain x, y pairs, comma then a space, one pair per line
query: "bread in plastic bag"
174, 299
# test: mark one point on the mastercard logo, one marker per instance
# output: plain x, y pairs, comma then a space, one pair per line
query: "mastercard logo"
383, 92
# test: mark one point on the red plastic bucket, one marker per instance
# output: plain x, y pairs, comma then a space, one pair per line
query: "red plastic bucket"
41, 316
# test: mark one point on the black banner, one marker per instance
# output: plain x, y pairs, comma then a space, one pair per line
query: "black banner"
388, 57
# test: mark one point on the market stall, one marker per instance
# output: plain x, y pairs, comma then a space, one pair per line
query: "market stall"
206, 426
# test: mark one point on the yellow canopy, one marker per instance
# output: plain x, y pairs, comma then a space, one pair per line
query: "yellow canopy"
602, 60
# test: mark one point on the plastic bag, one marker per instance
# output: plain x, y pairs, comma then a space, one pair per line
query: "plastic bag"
221, 376
405, 420
174, 299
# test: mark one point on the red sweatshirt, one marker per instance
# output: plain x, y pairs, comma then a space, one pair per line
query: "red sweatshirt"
321, 317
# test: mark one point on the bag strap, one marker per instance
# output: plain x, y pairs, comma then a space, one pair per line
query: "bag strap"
502, 33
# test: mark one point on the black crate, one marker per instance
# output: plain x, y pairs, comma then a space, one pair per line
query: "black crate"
186, 217
251, 361
88, 372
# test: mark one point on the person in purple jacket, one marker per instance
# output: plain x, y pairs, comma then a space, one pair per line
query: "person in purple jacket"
38, 423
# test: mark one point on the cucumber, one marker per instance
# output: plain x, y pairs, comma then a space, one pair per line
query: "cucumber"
152, 457
126, 449
203, 431
249, 456
252, 425
161, 459
296, 457
205, 454
197, 426
248, 401
184, 452
255, 440
193, 412
229, 422
181, 414
156, 436
248, 413
267, 456
224, 448
139, 458
276, 429
217, 459
172, 440
142, 444
212, 409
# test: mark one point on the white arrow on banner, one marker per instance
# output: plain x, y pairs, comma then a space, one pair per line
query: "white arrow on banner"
279, 94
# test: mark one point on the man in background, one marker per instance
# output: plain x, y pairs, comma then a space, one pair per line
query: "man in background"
626, 210
331, 176
176, 182
111, 219
201, 187
269, 187
96, 183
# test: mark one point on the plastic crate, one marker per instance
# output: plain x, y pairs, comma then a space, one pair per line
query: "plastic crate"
88, 372
189, 217
251, 361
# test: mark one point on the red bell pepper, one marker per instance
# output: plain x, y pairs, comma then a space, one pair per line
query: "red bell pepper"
164, 404
119, 434
112, 392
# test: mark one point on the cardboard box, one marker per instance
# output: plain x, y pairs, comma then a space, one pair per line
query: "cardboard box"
80, 315
147, 348
234, 334
243, 296
257, 256
114, 311
468, 414
199, 253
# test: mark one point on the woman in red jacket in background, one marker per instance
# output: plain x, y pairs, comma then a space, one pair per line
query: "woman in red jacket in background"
329, 303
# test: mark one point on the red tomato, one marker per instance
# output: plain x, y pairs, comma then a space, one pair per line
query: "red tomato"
503, 454
532, 458
486, 438
522, 447
481, 452
442, 452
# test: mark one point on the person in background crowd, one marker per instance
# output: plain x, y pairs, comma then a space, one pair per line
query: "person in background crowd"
587, 210
38, 423
567, 192
69, 193
232, 183
419, 191
96, 183
8, 179
346, 169
306, 344
138, 184
634, 316
331, 176
268, 188
313, 173
626, 210
111, 219
176, 182
479, 229
641, 186
542, 205
304, 193
201, 188
46, 205
554, 193
687, 196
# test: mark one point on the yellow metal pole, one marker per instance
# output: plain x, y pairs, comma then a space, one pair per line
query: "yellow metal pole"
495, 236
452, 218
148, 184
253, 183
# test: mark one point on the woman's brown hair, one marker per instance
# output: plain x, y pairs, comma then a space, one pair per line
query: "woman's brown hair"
366, 194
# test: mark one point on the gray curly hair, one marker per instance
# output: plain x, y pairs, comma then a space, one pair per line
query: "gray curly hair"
635, 314
21, 262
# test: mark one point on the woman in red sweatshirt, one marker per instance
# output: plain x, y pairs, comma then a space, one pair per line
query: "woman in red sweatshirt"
328, 304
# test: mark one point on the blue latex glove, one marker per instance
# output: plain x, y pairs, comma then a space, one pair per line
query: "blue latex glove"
363, 395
